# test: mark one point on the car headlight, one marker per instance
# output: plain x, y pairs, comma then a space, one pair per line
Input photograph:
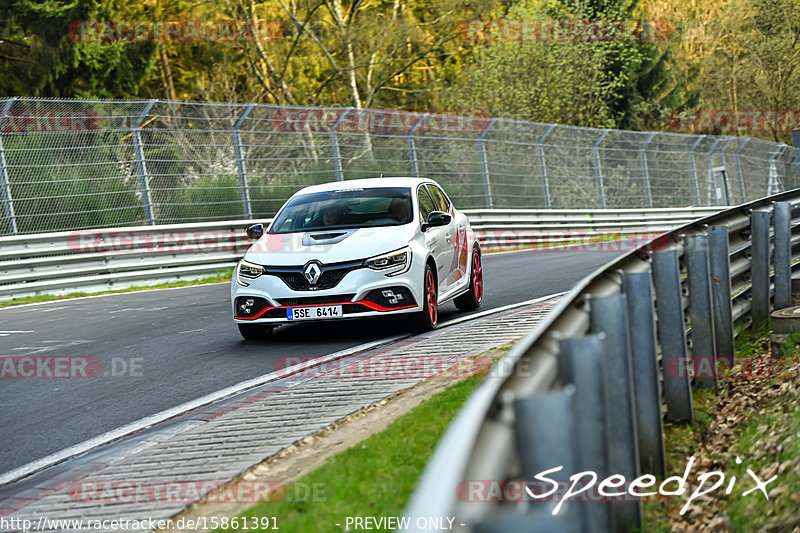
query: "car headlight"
397, 262
247, 271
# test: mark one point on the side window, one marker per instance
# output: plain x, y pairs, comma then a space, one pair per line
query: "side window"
426, 205
439, 199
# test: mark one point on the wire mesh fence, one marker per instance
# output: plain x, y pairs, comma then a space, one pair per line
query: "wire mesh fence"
69, 164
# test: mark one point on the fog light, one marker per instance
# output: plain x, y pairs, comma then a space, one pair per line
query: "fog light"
391, 296
247, 307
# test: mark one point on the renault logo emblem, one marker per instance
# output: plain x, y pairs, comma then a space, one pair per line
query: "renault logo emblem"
312, 272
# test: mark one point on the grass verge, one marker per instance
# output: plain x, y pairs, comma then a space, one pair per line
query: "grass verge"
375, 477
220, 277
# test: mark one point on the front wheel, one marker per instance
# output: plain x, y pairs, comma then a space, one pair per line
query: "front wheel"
255, 332
428, 318
471, 300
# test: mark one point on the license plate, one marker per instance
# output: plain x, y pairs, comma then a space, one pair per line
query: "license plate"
314, 313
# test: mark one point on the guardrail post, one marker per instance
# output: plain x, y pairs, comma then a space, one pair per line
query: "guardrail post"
782, 222
645, 172
598, 171
337, 160
240, 167
759, 267
5, 181
412, 147
702, 320
693, 168
720, 264
672, 336
487, 185
547, 437
609, 315
543, 167
141, 167
743, 198
647, 393
580, 364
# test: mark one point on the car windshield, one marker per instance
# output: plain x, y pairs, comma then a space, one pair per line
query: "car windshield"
345, 208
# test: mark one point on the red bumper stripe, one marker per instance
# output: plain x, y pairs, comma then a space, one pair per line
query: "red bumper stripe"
367, 303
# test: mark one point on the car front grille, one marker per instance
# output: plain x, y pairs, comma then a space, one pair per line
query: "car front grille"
329, 278
316, 300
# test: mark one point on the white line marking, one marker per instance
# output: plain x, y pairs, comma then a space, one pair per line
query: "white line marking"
192, 331
116, 434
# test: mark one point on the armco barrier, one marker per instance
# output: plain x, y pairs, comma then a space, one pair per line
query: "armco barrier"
586, 389
114, 258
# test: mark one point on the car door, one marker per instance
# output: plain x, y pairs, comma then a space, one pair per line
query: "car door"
437, 239
457, 232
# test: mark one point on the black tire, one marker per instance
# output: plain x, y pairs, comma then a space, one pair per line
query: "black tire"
255, 332
428, 318
471, 300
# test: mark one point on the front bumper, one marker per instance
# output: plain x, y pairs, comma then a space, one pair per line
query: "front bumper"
361, 293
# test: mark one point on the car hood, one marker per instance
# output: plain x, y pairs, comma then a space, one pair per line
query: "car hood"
330, 246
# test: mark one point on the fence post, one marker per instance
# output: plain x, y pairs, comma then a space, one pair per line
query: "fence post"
710, 178
720, 264
487, 185
759, 267
543, 167
647, 393
774, 182
337, 160
700, 313
141, 167
412, 148
5, 181
580, 362
725, 183
609, 315
693, 168
743, 198
237, 151
598, 171
645, 172
782, 222
672, 336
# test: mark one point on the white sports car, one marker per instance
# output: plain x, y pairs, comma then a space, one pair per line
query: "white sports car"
358, 248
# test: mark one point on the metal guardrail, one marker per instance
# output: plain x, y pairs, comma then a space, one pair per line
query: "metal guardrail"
586, 389
69, 164
96, 260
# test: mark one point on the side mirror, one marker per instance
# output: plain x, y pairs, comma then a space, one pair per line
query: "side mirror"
255, 231
437, 218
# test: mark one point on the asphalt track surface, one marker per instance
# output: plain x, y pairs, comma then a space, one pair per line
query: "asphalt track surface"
162, 348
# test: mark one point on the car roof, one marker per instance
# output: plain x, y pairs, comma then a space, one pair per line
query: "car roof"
367, 183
